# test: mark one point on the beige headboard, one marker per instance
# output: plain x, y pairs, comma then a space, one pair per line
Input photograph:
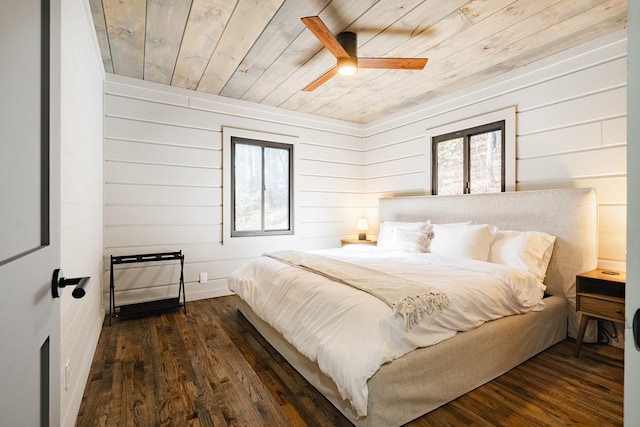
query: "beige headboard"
569, 214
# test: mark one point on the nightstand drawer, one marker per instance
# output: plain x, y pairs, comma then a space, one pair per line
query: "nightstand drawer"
600, 307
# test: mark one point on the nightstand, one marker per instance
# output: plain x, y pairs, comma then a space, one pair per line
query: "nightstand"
357, 242
600, 295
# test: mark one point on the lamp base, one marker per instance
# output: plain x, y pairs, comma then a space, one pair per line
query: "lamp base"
362, 236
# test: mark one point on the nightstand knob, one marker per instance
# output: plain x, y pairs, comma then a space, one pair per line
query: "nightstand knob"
618, 311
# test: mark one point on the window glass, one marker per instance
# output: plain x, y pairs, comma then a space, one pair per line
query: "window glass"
248, 187
276, 179
486, 162
450, 158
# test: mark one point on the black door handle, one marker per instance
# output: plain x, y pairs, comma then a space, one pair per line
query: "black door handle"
636, 329
58, 283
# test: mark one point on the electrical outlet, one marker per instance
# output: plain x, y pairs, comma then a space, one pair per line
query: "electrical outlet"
203, 277
67, 374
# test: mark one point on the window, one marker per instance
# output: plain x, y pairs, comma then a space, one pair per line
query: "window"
469, 161
262, 187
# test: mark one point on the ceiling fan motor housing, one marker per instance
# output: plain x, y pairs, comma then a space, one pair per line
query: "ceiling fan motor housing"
349, 42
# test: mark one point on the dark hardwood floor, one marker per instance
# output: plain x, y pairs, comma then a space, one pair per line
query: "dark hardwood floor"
211, 368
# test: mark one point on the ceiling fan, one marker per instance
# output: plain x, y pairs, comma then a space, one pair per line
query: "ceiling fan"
345, 49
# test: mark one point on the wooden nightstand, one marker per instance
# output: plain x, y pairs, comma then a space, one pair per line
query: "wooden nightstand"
357, 242
599, 294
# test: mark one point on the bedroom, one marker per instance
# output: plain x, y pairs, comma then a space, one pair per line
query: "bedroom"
361, 181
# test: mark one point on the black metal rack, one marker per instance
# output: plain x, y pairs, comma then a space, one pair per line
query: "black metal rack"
148, 307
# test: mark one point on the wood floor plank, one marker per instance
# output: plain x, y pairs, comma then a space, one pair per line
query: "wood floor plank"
210, 367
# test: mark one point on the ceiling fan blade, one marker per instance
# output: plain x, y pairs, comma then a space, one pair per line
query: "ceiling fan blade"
321, 80
317, 27
393, 63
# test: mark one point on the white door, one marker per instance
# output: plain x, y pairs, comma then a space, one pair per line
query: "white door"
632, 350
29, 213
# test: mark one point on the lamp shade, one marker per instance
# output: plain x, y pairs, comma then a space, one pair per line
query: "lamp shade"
362, 226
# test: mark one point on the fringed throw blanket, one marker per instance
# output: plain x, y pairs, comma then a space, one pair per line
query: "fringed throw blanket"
406, 298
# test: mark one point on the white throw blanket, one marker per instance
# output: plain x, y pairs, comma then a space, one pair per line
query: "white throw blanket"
406, 298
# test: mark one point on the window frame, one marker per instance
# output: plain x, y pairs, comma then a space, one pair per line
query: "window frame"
225, 203
262, 144
455, 121
466, 135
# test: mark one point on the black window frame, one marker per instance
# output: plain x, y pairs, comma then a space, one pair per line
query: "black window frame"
262, 232
466, 135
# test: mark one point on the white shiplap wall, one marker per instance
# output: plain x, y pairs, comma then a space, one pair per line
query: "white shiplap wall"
81, 204
164, 184
570, 132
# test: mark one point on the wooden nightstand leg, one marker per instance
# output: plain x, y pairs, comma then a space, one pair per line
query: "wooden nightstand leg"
583, 327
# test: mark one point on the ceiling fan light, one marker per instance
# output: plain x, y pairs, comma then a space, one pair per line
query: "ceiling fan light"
347, 66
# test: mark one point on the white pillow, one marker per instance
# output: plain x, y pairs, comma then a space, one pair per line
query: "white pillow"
525, 250
413, 240
463, 240
386, 235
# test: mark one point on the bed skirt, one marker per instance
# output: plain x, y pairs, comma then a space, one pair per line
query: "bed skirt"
427, 378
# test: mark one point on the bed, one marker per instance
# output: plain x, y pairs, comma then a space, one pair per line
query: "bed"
419, 381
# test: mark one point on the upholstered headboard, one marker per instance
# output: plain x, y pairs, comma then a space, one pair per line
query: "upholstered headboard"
569, 214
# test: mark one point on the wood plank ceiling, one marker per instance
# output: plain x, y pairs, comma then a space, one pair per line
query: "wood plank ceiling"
259, 50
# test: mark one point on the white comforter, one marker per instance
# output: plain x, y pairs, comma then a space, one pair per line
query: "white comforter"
350, 333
